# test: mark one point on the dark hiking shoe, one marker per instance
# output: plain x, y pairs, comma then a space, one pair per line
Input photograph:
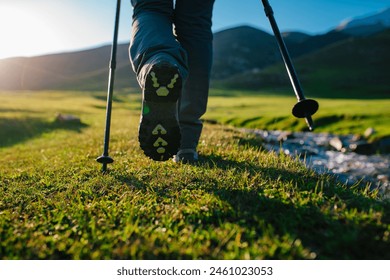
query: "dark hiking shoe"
159, 132
186, 156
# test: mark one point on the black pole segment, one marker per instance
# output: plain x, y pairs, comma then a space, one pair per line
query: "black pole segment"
305, 108
283, 50
105, 159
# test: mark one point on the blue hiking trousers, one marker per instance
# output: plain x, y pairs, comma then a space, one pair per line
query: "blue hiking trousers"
180, 32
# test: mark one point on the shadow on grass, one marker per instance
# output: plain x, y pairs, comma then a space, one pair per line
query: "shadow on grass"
329, 232
326, 218
14, 131
103, 97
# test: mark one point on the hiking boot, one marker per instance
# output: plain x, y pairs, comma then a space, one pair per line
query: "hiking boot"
159, 132
186, 156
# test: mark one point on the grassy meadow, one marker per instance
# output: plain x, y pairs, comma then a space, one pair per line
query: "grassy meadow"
272, 111
239, 202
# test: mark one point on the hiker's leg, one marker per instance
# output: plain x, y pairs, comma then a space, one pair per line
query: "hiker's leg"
152, 37
192, 21
160, 64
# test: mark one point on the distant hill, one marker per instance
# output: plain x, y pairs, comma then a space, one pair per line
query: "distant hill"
76, 70
244, 57
356, 67
236, 50
366, 25
295, 37
246, 48
313, 43
242, 48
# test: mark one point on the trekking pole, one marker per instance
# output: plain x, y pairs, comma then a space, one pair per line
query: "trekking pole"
105, 159
305, 108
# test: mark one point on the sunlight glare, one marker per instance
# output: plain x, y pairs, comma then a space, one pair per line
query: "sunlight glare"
24, 32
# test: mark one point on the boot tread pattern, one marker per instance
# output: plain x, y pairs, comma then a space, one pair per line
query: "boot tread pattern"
159, 133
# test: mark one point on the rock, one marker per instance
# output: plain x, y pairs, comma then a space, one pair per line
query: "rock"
362, 148
336, 143
331, 153
285, 135
63, 118
356, 137
369, 132
383, 178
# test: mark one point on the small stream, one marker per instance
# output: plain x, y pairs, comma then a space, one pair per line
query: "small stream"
320, 152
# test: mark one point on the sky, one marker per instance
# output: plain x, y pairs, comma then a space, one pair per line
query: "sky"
36, 27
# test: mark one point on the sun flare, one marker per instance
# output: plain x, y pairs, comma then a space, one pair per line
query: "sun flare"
23, 31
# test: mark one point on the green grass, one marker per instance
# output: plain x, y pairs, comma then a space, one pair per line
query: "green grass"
240, 202
273, 111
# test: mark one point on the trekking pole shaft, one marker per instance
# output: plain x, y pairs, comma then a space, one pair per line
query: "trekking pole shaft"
284, 52
108, 111
110, 89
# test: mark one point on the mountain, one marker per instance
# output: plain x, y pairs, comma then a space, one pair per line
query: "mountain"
76, 70
238, 49
366, 25
353, 68
244, 57
235, 51
242, 48
313, 43
295, 37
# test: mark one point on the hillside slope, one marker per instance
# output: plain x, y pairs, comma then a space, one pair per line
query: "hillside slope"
236, 50
356, 67
242, 48
366, 25
86, 69
241, 56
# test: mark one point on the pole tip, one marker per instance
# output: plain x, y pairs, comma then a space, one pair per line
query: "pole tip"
104, 160
309, 122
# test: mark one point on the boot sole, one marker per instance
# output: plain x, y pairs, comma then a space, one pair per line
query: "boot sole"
159, 132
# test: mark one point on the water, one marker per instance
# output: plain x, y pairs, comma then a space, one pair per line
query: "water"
316, 152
